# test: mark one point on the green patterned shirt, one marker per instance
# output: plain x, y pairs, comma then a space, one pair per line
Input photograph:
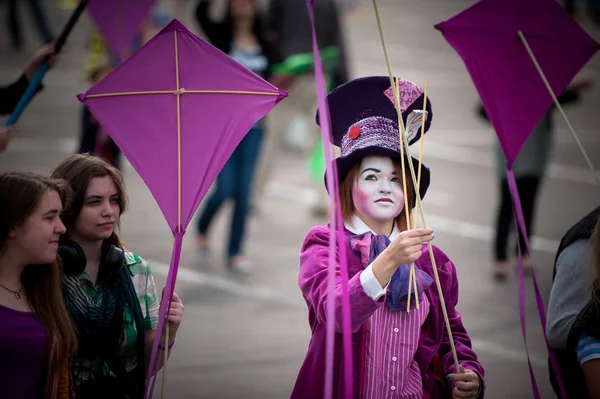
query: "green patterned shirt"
150, 304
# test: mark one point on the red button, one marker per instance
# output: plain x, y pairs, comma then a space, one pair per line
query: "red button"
354, 132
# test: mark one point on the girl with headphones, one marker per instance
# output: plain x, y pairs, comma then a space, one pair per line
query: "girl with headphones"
36, 334
109, 291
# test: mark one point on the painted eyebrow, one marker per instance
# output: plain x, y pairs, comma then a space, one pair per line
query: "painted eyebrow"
375, 170
370, 169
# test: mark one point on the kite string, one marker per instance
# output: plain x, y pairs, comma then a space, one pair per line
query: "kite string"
557, 103
418, 195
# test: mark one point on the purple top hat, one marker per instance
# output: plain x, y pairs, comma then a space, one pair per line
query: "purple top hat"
364, 121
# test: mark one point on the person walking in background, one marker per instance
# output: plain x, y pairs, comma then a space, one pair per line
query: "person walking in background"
290, 32
529, 169
241, 35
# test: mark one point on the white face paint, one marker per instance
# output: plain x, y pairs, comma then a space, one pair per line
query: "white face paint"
378, 195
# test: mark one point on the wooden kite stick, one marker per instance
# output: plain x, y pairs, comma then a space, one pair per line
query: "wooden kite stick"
557, 103
181, 91
417, 194
423, 119
406, 205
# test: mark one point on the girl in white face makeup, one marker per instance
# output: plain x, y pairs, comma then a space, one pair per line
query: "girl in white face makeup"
397, 354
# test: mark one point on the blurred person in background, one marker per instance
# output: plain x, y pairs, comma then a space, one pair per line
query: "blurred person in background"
573, 319
14, 22
241, 35
11, 94
289, 30
529, 169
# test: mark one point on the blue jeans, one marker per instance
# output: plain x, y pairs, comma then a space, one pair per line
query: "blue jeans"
235, 182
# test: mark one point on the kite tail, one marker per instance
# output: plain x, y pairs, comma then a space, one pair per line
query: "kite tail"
521, 231
336, 224
164, 306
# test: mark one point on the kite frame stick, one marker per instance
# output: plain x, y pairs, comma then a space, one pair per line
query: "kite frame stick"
414, 223
406, 205
557, 103
181, 91
417, 194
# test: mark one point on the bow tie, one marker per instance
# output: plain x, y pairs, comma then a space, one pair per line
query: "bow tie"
369, 246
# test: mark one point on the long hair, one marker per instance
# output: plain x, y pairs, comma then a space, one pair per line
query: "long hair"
79, 170
20, 193
351, 179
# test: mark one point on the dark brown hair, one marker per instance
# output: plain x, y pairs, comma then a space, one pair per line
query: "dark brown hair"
351, 178
20, 194
79, 170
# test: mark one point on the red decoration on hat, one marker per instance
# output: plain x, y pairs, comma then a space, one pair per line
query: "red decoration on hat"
354, 132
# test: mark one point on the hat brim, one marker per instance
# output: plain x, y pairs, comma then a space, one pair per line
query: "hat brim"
344, 164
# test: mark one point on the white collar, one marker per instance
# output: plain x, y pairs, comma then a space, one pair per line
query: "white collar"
357, 226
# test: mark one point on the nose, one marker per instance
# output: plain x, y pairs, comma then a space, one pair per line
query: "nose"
385, 187
60, 228
107, 209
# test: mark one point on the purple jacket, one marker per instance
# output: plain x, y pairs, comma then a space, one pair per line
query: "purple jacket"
433, 342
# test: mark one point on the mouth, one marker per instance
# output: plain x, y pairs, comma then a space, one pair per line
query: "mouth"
385, 200
106, 225
53, 243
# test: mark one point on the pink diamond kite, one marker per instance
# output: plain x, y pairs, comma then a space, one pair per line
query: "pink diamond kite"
486, 36
120, 21
178, 108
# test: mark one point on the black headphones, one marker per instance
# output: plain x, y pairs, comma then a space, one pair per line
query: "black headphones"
74, 261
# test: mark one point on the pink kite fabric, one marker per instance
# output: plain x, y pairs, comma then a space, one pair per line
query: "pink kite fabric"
144, 125
513, 94
220, 100
120, 21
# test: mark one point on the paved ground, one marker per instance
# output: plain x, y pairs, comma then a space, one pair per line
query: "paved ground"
246, 337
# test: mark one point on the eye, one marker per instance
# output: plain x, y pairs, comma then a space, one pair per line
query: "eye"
114, 200
395, 180
93, 202
371, 177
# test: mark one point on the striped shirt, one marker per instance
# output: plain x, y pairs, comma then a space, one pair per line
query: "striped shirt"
144, 285
588, 348
391, 370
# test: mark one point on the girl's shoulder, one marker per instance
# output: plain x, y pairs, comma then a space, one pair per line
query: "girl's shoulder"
136, 264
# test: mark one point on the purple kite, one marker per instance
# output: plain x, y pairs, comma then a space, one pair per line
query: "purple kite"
178, 108
120, 21
486, 36
521, 54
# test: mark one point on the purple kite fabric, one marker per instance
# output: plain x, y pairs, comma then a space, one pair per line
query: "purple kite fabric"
120, 21
144, 125
513, 94
137, 104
